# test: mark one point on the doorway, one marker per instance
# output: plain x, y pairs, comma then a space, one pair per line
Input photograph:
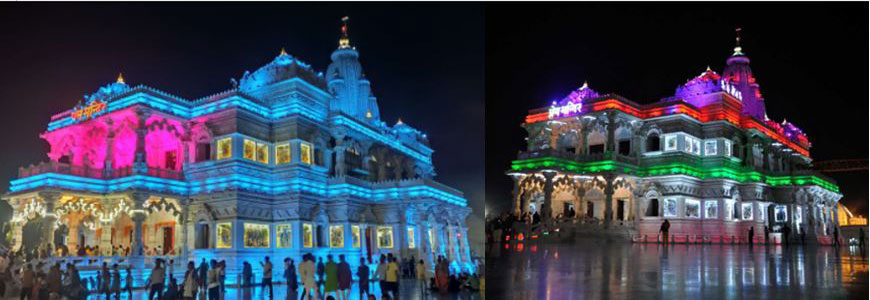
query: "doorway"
168, 239
620, 210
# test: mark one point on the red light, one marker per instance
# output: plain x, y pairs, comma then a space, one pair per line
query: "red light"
520, 237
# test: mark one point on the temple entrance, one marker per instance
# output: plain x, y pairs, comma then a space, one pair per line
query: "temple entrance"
202, 235
168, 239
620, 209
31, 235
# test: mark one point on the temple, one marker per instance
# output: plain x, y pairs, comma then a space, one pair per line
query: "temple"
288, 161
707, 159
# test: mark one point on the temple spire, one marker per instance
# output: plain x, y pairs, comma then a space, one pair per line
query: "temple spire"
283, 52
120, 78
737, 49
344, 41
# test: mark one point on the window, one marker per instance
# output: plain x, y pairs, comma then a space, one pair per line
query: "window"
225, 148
710, 148
653, 143
693, 145
779, 213
284, 235
385, 237
254, 151
747, 211
306, 155
624, 147
670, 143
693, 209
256, 235
224, 235
711, 209
307, 235
670, 207
263, 153
727, 148
355, 232
412, 242
336, 236
282, 153
249, 150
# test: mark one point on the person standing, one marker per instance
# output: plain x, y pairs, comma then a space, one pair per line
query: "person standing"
331, 284
751, 235
54, 282
267, 277
247, 274
664, 230
203, 273
222, 276
116, 281
393, 276
362, 272
129, 287
836, 237
156, 281
344, 278
306, 271
290, 277
189, 285
212, 281
321, 273
421, 275
381, 274
442, 275
27, 282
106, 280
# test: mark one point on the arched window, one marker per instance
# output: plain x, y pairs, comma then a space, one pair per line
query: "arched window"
652, 210
653, 143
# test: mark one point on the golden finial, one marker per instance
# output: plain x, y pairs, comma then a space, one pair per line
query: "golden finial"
283, 52
120, 78
399, 122
708, 68
369, 113
585, 85
344, 41
737, 49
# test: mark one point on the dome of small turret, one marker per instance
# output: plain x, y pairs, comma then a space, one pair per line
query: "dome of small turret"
282, 68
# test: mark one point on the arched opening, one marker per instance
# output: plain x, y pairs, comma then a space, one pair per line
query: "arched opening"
653, 143
652, 209
623, 141
596, 142
202, 236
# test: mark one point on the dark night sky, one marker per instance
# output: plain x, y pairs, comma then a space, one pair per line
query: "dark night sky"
810, 60
425, 63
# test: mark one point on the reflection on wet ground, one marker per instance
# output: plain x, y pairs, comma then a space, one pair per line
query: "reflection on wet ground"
596, 269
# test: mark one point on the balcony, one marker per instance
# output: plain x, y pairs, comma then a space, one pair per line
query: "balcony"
81, 171
581, 158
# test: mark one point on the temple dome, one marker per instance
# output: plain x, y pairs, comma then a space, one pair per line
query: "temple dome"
283, 67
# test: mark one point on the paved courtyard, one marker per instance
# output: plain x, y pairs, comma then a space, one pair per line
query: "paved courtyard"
595, 269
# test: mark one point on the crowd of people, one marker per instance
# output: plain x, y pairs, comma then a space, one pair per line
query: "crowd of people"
39, 279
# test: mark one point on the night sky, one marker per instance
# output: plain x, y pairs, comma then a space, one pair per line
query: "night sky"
425, 63
809, 59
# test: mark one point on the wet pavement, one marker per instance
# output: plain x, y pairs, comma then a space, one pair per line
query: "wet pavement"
596, 269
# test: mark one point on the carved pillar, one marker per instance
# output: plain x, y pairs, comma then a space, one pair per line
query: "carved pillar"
340, 167
581, 148
138, 216
50, 198
397, 167
139, 165
548, 195
183, 219
750, 154
110, 145
580, 204
608, 198
611, 131
409, 168
382, 164
105, 237
517, 209
765, 152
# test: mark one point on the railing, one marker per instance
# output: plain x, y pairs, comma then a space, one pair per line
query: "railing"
629, 159
82, 171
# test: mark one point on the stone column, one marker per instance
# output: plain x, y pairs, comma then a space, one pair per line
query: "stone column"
765, 152
581, 204
185, 210
105, 237
397, 167
581, 149
140, 165
517, 209
426, 246
608, 198
340, 168
611, 131
547, 210
50, 198
138, 215
750, 153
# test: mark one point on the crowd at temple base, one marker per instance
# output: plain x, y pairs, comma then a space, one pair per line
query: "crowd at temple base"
51, 278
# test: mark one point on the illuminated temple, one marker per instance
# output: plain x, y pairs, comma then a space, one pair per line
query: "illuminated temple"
708, 159
288, 161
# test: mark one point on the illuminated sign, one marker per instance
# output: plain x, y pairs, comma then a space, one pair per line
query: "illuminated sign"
730, 89
86, 112
565, 110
